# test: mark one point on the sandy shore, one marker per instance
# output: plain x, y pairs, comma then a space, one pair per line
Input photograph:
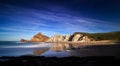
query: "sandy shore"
104, 42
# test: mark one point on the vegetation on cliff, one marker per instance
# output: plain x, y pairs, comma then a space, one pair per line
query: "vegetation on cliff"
102, 36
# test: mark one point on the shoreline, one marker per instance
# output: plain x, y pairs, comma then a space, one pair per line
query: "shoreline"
105, 42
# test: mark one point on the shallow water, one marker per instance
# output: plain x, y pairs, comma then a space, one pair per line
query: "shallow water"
58, 50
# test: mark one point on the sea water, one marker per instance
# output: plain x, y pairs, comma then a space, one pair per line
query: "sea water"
16, 48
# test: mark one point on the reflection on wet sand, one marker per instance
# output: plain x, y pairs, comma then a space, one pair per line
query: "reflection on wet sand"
38, 52
59, 49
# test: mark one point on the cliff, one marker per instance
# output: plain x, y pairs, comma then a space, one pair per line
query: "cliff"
69, 37
102, 36
36, 38
75, 37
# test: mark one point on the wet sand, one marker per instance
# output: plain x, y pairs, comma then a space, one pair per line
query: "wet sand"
106, 42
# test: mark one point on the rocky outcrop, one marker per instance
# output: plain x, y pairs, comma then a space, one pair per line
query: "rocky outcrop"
69, 37
23, 40
37, 38
86, 38
77, 37
56, 38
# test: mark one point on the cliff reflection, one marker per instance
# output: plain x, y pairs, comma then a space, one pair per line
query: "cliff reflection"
38, 52
78, 50
63, 46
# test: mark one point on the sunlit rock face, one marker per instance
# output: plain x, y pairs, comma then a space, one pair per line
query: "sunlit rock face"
37, 38
56, 38
77, 37
85, 38
69, 38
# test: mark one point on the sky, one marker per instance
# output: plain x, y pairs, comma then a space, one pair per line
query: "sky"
25, 18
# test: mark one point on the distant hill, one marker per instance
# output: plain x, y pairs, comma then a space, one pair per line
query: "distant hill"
102, 36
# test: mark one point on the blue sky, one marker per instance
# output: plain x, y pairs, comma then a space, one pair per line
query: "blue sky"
22, 19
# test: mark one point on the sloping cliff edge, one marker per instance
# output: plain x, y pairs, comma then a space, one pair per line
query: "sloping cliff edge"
36, 38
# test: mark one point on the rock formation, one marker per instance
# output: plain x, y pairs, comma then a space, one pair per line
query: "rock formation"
39, 38
71, 38
85, 38
23, 40
56, 38
36, 38
67, 37
77, 37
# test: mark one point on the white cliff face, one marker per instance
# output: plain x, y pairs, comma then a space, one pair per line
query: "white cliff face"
56, 38
77, 37
60, 38
67, 37
85, 39
60, 47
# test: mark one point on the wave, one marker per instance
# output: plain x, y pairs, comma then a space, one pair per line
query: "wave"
28, 46
20, 42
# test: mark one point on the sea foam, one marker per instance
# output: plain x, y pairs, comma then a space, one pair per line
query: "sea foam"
28, 46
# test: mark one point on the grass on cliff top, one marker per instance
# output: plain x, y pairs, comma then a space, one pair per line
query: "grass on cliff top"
102, 36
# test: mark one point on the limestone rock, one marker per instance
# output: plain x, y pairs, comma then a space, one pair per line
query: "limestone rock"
60, 47
85, 39
56, 38
67, 37
77, 37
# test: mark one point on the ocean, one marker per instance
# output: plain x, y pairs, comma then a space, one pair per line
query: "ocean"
15, 48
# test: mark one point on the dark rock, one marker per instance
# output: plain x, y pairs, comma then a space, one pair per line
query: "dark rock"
23, 40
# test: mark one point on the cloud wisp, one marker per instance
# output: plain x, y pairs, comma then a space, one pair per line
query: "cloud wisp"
50, 22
